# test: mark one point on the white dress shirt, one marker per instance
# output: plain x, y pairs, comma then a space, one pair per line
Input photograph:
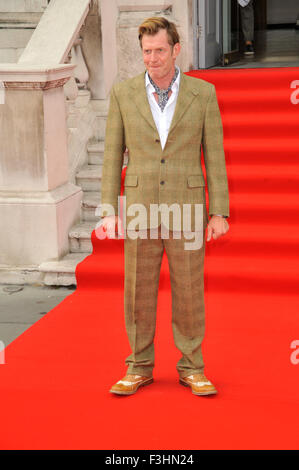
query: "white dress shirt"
162, 118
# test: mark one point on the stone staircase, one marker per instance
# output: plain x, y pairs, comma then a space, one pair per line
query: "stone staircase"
17, 23
16, 28
62, 272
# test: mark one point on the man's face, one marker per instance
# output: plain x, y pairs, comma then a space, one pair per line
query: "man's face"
158, 55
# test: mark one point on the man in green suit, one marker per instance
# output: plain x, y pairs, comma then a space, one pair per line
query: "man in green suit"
164, 118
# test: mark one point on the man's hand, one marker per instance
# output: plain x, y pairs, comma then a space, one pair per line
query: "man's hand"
217, 227
110, 226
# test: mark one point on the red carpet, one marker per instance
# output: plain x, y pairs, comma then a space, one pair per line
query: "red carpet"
54, 385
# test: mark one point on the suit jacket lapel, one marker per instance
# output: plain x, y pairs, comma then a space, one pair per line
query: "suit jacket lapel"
185, 97
141, 100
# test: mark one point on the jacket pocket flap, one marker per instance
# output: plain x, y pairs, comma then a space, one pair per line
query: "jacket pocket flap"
131, 180
195, 181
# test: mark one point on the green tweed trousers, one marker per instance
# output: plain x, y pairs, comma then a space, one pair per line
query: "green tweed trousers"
143, 258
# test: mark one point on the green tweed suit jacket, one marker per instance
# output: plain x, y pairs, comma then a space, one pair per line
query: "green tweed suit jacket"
173, 175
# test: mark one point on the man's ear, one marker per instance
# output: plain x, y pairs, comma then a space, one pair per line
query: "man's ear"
176, 50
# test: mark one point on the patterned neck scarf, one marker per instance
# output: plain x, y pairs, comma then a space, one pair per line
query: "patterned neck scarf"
163, 94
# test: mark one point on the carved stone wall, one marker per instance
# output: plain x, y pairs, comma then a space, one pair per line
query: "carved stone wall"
120, 20
129, 56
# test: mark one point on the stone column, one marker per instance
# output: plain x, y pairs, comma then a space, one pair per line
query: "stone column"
38, 205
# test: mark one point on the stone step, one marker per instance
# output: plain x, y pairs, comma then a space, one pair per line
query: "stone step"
96, 153
19, 17
15, 36
80, 237
21, 6
89, 177
62, 272
18, 24
91, 200
10, 55
100, 107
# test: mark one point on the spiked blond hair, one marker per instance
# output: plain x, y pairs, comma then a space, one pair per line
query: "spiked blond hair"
152, 26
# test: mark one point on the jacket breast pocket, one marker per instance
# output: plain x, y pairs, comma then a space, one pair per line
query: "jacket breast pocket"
195, 181
131, 180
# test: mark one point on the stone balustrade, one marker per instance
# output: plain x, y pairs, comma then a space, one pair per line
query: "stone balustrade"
38, 201
38, 204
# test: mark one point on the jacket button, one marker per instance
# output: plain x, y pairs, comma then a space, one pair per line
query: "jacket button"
157, 140
163, 160
162, 182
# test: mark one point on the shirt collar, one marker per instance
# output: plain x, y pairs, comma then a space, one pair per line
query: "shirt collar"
175, 86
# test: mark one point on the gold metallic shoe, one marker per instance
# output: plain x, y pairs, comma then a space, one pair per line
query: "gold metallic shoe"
130, 384
199, 384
